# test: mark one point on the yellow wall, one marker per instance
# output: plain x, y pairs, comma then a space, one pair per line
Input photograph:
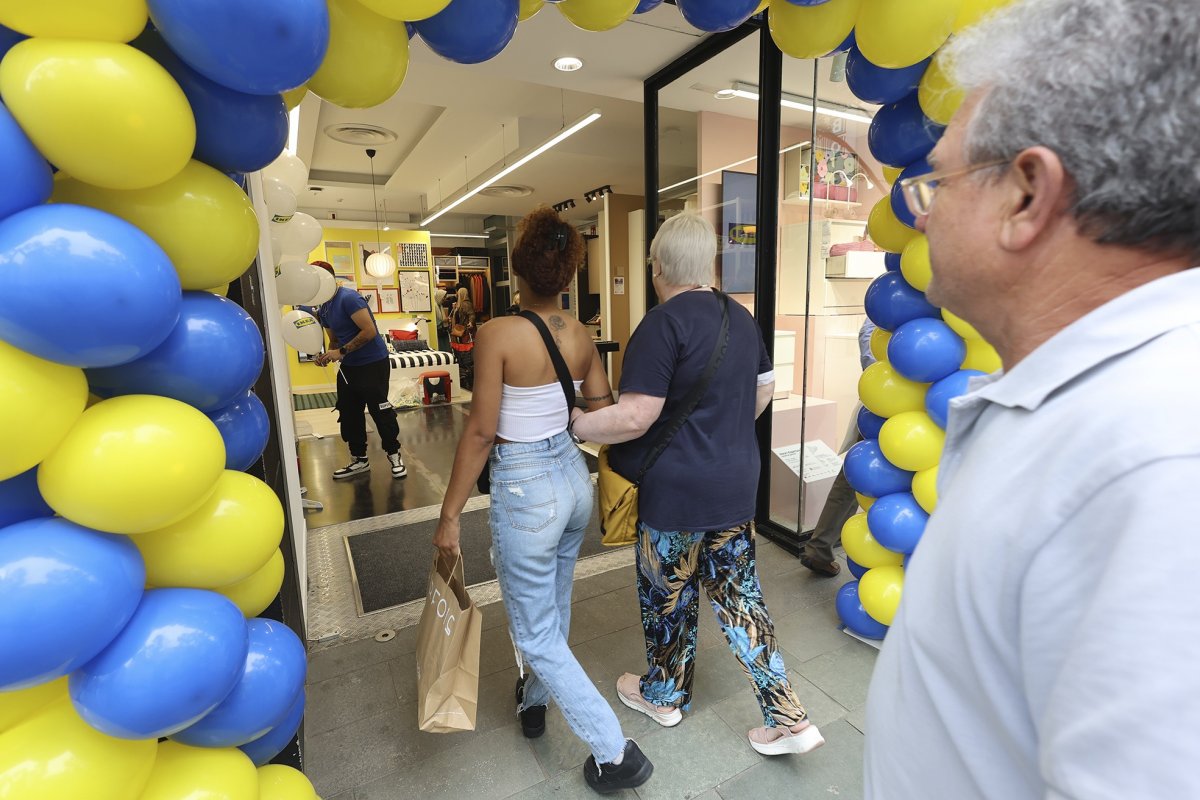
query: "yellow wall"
309, 377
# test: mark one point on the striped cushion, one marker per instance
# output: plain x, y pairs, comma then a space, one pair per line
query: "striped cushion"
425, 358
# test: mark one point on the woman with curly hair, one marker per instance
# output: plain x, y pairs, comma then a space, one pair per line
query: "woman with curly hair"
541, 491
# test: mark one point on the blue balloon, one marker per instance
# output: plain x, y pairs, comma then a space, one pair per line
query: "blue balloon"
647, 5
20, 499
237, 177
897, 522
846, 44
716, 15
880, 85
937, 399
256, 48
82, 287
900, 133
262, 698
235, 132
180, 655
27, 178
869, 424
891, 261
272, 743
870, 473
855, 569
890, 302
65, 593
899, 205
245, 427
411, 31
470, 31
8, 38
211, 358
854, 616
926, 350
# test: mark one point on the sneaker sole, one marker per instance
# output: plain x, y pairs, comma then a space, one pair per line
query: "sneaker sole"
803, 742
351, 474
667, 721
401, 475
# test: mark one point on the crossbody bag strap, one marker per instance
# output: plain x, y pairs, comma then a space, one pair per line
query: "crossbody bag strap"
694, 395
560, 366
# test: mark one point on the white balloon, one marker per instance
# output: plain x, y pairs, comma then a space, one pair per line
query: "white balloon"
289, 169
301, 235
297, 282
277, 245
327, 290
280, 199
302, 331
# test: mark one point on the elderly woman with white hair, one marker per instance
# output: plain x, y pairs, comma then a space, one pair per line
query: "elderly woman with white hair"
696, 501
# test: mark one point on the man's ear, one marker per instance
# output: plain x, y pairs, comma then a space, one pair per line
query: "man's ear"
1036, 194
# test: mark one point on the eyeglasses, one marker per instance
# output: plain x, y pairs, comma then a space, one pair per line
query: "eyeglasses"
919, 190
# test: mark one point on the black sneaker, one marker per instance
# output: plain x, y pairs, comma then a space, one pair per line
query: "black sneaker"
533, 719
634, 770
355, 466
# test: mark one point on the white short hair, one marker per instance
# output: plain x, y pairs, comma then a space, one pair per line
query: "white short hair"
685, 248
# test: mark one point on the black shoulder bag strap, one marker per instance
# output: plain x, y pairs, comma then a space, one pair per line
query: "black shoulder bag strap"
560, 366
694, 395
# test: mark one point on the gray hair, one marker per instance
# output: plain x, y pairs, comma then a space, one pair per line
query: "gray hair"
1112, 87
685, 248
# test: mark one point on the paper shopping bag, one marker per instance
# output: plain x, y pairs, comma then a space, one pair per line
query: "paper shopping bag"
448, 652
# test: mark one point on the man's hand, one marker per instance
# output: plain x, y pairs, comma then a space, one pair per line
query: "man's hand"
328, 357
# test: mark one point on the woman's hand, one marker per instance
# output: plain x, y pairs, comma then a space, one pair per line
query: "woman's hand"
446, 538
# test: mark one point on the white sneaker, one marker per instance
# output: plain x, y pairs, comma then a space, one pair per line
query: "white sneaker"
398, 468
356, 466
629, 691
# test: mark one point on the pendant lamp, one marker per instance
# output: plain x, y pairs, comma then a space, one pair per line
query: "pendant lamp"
380, 265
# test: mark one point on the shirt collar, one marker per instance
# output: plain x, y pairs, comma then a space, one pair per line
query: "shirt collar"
1121, 325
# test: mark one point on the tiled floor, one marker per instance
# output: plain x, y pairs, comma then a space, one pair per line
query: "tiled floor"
362, 742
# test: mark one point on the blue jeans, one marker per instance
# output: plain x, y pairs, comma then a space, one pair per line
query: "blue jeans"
541, 505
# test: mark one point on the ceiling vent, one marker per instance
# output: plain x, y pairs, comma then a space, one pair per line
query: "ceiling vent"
507, 190
359, 134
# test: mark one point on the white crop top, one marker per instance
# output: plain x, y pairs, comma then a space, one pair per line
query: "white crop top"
533, 413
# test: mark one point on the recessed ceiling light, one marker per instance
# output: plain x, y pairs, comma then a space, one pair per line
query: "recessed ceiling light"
567, 64
725, 94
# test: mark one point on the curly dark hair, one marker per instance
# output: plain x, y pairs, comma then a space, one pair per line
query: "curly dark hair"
549, 252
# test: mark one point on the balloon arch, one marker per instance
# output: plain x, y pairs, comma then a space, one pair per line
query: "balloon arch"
135, 552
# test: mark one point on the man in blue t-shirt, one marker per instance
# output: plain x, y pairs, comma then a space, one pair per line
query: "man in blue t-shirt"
363, 378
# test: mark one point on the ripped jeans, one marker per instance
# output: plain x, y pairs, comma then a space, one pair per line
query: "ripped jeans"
541, 503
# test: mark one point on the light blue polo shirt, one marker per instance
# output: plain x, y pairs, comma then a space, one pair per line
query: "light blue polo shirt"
1048, 640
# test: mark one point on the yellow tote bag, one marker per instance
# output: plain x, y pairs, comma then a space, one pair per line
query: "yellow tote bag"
618, 505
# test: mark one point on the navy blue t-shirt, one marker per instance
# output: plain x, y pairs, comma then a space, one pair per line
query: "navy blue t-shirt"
335, 314
707, 477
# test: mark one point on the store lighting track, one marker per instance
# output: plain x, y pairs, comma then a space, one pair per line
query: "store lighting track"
728, 166
749, 91
458, 235
565, 133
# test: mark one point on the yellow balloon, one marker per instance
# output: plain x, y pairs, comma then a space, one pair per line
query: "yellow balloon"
55, 755
914, 263
40, 400
811, 31
292, 97
254, 594
960, 325
597, 15
201, 773
924, 489
971, 11
912, 441
228, 538
220, 291
200, 218
861, 546
879, 343
880, 590
981, 356
900, 33
864, 502
529, 8
18, 706
891, 174
761, 7
939, 98
133, 464
885, 229
887, 393
106, 20
279, 782
367, 57
410, 10
104, 113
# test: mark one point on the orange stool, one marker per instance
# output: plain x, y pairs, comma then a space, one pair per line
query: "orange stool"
435, 383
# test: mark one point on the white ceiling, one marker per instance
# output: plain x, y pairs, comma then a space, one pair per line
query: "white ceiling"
456, 122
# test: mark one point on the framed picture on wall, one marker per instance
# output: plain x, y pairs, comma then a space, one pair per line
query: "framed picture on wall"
371, 295
341, 256
415, 294
389, 301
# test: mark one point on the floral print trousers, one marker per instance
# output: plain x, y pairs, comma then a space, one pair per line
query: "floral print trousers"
672, 566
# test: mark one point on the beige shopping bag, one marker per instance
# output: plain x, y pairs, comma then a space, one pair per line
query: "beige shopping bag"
448, 652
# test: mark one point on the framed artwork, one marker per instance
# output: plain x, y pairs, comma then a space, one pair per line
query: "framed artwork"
341, 256
389, 301
371, 295
415, 292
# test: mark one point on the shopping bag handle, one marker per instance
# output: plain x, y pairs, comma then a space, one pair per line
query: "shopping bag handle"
455, 571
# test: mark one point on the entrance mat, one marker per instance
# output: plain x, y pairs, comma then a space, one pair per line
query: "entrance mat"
305, 402
390, 567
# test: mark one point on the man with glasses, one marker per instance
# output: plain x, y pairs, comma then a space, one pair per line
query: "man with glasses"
1048, 640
